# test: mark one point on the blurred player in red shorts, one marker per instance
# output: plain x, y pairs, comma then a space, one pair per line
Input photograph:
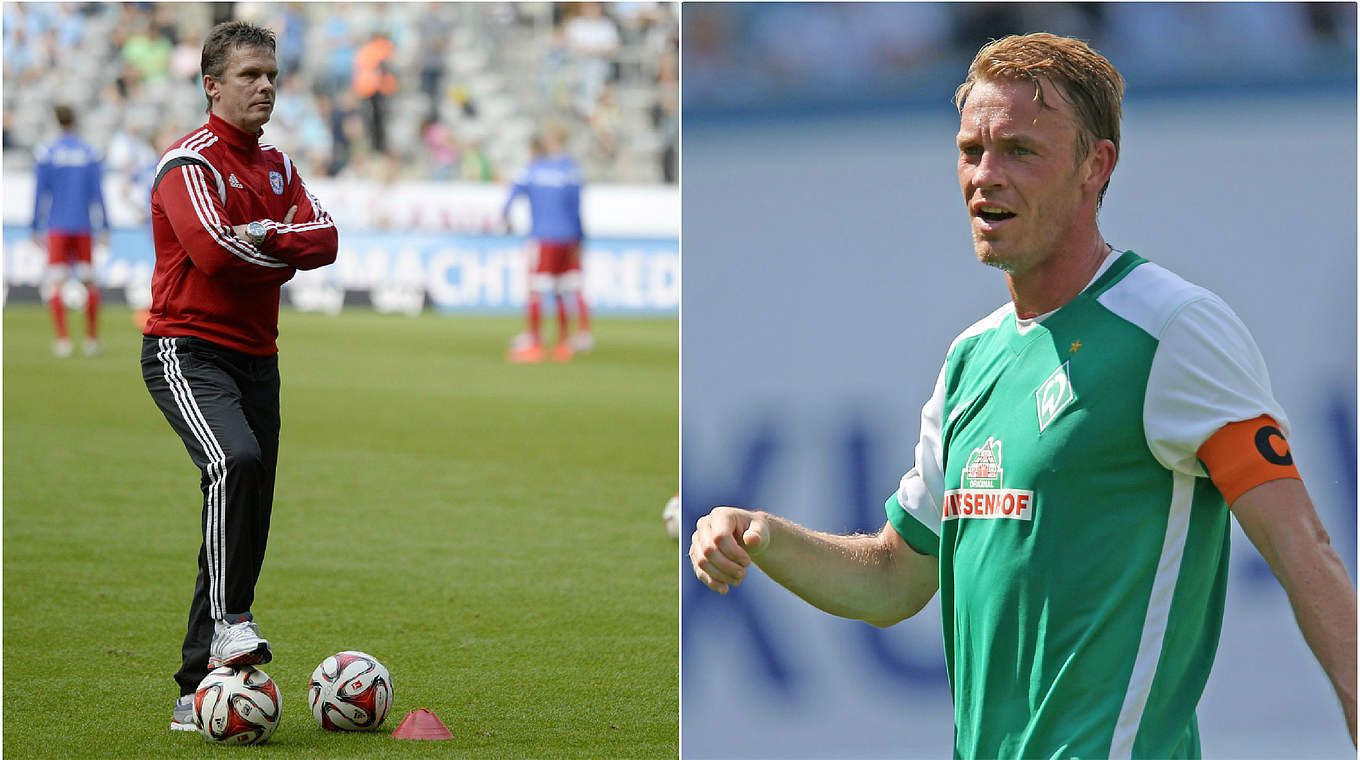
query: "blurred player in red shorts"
552, 182
67, 182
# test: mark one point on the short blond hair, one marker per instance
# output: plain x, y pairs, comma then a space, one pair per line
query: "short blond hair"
1084, 78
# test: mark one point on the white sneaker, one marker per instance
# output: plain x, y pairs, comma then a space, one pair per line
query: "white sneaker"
182, 716
91, 347
62, 348
238, 644
582, 342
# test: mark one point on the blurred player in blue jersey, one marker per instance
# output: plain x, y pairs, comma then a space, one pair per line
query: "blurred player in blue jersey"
552, 183
67, 179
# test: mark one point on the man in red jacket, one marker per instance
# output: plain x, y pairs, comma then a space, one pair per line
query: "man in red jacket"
232, 221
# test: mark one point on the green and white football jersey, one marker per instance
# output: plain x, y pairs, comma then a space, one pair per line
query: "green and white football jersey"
1083, 550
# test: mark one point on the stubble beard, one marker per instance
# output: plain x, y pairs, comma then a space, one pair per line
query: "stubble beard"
987, 254
994, 262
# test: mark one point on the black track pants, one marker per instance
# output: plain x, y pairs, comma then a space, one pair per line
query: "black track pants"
225, 406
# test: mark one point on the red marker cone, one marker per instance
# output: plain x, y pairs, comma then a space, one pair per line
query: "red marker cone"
422, 724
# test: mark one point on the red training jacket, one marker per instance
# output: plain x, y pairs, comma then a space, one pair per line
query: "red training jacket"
208, 283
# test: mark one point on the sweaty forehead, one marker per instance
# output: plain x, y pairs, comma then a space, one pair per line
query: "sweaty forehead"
1010, 106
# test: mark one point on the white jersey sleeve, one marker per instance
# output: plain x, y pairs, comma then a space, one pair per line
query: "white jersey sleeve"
1207, 372
921, 489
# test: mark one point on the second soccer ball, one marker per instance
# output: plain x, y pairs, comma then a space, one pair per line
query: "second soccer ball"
350, 691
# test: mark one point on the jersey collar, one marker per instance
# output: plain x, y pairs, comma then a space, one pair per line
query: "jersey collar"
232, 135
1024, 325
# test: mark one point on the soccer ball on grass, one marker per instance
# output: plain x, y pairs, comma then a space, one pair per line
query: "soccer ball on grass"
671, 516
237, 706
350, 691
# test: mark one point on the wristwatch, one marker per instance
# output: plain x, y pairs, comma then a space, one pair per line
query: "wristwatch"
255, 232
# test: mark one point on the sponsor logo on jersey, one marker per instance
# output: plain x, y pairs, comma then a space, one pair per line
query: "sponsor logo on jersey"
1003, 503
233, 181
983, 468
1054, 396
984, 496
276, 183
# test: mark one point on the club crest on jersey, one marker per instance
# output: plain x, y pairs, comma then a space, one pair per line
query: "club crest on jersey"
276, 183
983, 495
1055, 395
233, 181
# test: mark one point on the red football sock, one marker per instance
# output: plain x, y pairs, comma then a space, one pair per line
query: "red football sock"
535, 317
58, 313
92, 311
582, 313
561, 318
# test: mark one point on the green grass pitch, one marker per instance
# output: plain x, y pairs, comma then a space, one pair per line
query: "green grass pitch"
492, 533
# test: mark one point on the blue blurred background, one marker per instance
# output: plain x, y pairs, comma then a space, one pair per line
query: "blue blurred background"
827, 265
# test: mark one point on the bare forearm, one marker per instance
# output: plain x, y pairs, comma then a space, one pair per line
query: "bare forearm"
1281, 522
1325, 607
865, 577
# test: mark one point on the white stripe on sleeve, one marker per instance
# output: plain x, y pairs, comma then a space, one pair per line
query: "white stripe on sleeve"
207, 216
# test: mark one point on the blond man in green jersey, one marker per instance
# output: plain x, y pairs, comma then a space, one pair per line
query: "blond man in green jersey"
1078, 460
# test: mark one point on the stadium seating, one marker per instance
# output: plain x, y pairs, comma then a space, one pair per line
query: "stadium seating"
492, 73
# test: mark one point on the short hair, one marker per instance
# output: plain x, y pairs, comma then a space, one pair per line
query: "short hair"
1083, 77
66, 116
226, 37
553, 131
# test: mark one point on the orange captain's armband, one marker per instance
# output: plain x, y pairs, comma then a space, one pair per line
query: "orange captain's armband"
1243, 455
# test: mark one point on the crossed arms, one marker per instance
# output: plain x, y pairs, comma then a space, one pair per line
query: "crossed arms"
218, 249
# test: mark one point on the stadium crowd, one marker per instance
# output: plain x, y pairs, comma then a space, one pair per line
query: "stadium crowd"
753, 54
379, 91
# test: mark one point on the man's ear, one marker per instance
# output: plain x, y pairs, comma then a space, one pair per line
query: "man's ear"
210, 86
1099, 164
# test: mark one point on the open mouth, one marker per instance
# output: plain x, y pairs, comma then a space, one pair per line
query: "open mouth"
994, 215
